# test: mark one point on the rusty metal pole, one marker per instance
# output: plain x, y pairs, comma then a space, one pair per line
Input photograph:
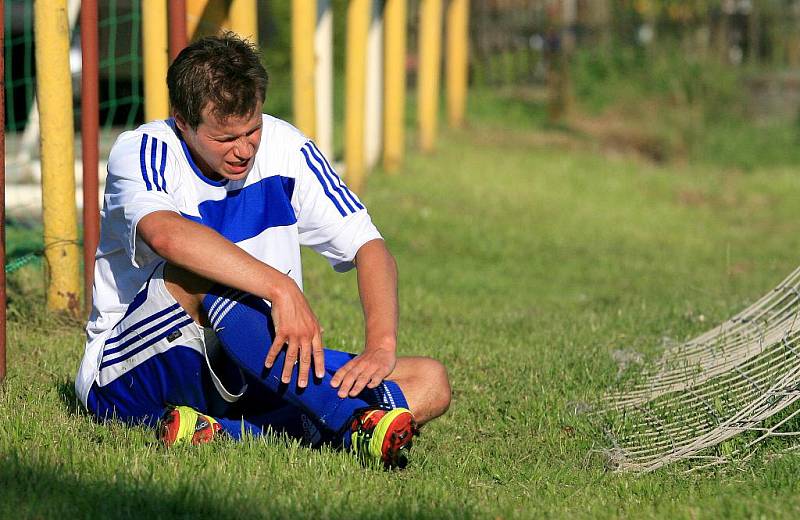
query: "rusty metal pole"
90, 116
2, 201
178, 36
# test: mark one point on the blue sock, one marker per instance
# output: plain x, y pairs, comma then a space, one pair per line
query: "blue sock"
287, 420
244, 327
261, 411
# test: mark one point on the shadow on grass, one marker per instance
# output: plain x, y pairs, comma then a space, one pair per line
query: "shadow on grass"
69, 399
30, 490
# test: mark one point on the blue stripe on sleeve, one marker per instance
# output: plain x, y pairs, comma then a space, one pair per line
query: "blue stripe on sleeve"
318, 157
143, 162
321, 181
153, 150
163, 166
337, 179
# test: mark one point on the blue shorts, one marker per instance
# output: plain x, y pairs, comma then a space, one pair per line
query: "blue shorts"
157, 356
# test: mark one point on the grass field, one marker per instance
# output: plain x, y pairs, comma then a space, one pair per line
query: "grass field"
525, 264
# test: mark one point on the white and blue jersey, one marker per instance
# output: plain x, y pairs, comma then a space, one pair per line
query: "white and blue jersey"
291, 197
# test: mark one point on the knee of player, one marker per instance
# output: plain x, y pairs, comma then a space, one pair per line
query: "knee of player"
438, 383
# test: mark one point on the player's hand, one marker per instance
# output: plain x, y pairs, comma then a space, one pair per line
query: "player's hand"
366, 370
297, 327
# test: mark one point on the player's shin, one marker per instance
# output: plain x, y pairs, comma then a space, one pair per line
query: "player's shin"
244, 327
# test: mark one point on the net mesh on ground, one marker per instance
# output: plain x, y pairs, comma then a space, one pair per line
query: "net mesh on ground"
717, 397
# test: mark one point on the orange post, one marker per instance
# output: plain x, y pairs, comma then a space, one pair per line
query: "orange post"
177, 27
90, 115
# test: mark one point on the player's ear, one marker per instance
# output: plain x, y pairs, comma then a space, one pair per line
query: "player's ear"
180, 122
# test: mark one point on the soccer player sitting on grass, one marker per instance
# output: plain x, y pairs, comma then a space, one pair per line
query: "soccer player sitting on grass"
199, 325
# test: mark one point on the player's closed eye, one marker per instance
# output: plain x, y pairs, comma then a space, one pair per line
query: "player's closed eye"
232, 138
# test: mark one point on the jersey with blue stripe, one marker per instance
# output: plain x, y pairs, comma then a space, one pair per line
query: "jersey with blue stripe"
291, 197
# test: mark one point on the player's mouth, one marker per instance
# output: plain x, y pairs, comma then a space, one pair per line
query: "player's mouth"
238, 167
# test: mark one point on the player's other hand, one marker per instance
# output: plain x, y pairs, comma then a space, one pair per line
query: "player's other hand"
297, 328
366, 370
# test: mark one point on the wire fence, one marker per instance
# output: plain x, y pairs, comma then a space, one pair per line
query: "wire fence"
120, 72
120, 63
514, 40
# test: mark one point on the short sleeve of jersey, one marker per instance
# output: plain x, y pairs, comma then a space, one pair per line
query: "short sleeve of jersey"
136, 186
330, 218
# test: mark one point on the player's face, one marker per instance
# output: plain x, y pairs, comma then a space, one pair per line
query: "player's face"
223, 149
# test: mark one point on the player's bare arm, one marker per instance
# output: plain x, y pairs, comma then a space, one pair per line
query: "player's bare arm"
377, 285
187, 245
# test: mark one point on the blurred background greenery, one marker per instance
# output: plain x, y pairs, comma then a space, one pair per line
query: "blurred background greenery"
699, 80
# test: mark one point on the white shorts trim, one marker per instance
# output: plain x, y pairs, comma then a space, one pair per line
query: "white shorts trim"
154, 327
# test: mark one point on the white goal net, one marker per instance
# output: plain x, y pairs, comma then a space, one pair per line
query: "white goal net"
717, 396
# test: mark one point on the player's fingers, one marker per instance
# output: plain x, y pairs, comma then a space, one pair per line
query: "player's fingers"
375, 380
359, 384
305, 365
378, 376
319, 357
274, 350
347, 383
340, 374
289, 361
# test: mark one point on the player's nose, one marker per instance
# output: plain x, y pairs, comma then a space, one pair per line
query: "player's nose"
243, 148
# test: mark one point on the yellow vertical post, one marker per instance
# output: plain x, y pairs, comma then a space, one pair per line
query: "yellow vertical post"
394, 83
194, 11
59, 213
457, 64
156, 59
358, 16
243, 18
430, 56
304, 23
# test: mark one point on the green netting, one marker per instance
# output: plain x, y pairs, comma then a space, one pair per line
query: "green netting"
119, 27
19, 64
120, 67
